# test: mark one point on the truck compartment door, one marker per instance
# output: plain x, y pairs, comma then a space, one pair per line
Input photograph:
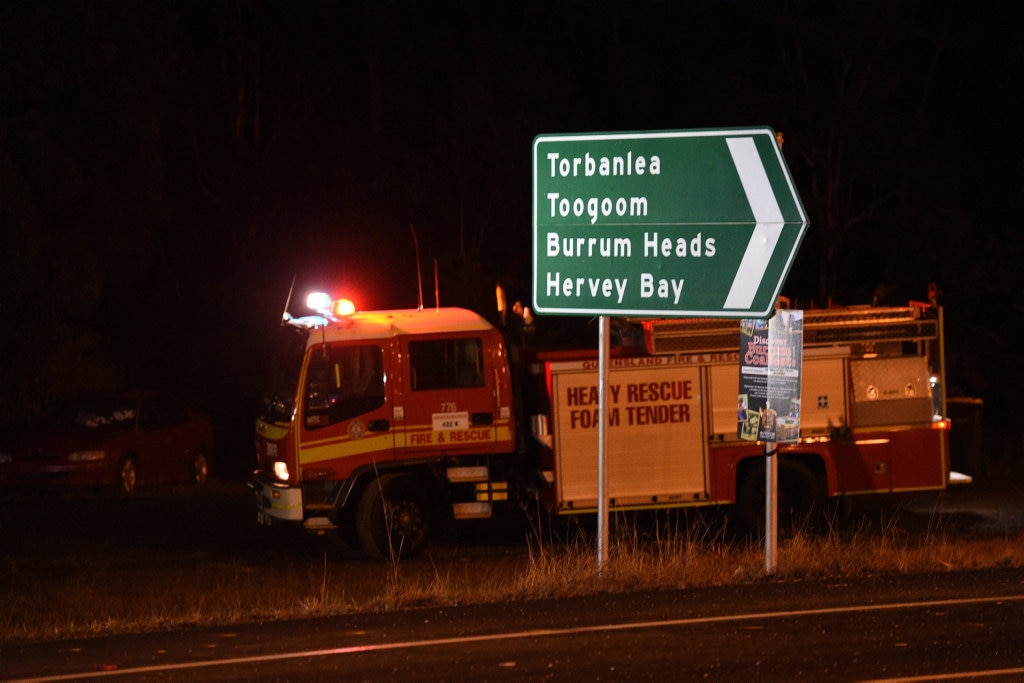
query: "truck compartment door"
822, 393
656, 450
345, 410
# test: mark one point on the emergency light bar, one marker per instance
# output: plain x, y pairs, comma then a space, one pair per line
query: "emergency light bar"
319, 302
322, 303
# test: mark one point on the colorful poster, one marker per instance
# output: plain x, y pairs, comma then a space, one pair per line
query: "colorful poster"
771, 360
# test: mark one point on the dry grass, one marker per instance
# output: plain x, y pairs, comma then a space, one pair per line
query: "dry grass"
92, 594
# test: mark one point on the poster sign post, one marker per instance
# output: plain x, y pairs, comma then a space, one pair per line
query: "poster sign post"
771, 364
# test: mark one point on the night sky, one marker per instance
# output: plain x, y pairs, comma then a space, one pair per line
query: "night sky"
169, 167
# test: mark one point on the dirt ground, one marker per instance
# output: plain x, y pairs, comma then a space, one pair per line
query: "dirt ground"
219, 520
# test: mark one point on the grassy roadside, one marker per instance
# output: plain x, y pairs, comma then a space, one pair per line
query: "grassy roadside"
97, 593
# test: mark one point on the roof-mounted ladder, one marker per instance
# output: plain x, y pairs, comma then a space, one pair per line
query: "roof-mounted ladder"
822, 327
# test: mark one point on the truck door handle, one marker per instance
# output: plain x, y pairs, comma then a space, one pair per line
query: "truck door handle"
378, 426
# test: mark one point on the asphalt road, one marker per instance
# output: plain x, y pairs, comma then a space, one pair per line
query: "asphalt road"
964, 624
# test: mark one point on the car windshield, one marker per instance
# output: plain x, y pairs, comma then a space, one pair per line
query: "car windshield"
283, 381
91, 413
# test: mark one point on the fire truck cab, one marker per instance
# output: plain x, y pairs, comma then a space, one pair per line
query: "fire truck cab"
373, 416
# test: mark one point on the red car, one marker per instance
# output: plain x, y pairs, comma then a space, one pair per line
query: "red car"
121, 440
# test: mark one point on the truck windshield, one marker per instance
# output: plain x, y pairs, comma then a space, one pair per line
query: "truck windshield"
283, 381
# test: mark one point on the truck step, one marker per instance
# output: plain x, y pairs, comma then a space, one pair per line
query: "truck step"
471, 510
462, 475
315, 524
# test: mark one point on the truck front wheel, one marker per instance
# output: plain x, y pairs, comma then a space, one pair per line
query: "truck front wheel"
394, 517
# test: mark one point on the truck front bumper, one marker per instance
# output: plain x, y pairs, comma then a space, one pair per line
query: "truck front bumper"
276, 501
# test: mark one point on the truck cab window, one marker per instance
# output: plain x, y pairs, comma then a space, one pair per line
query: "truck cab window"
342, 383
283, 375
446, 364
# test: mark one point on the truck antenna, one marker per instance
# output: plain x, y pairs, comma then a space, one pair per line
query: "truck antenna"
419, 275
288, 302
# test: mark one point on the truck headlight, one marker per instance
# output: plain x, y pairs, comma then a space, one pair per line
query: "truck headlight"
281, 470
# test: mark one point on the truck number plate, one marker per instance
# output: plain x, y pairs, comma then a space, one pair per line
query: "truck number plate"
447, 421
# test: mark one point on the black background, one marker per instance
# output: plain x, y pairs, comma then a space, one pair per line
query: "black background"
168, 168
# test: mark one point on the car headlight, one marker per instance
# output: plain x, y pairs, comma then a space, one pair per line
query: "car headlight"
281, 470
87, 456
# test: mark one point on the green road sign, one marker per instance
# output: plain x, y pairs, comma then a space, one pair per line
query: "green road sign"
668, 223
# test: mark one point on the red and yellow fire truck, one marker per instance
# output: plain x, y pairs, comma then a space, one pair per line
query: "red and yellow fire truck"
377, 424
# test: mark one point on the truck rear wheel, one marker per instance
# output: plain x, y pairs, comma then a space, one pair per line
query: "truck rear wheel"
394, 517
797, 499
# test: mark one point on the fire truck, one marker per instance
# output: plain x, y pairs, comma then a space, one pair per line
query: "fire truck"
377, 425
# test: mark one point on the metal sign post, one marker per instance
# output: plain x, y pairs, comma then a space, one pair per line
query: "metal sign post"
771, 507
603, 352
686, 223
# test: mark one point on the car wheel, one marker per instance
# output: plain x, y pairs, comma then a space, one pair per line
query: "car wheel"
127, 476
394, 517
200, 466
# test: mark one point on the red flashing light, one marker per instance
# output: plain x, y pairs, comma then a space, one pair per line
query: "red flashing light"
343, 308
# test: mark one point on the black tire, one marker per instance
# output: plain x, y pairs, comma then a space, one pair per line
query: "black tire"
127, 476
200, 466
798, 498
394, 517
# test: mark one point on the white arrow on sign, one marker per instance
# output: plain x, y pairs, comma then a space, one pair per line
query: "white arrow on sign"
767, 218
